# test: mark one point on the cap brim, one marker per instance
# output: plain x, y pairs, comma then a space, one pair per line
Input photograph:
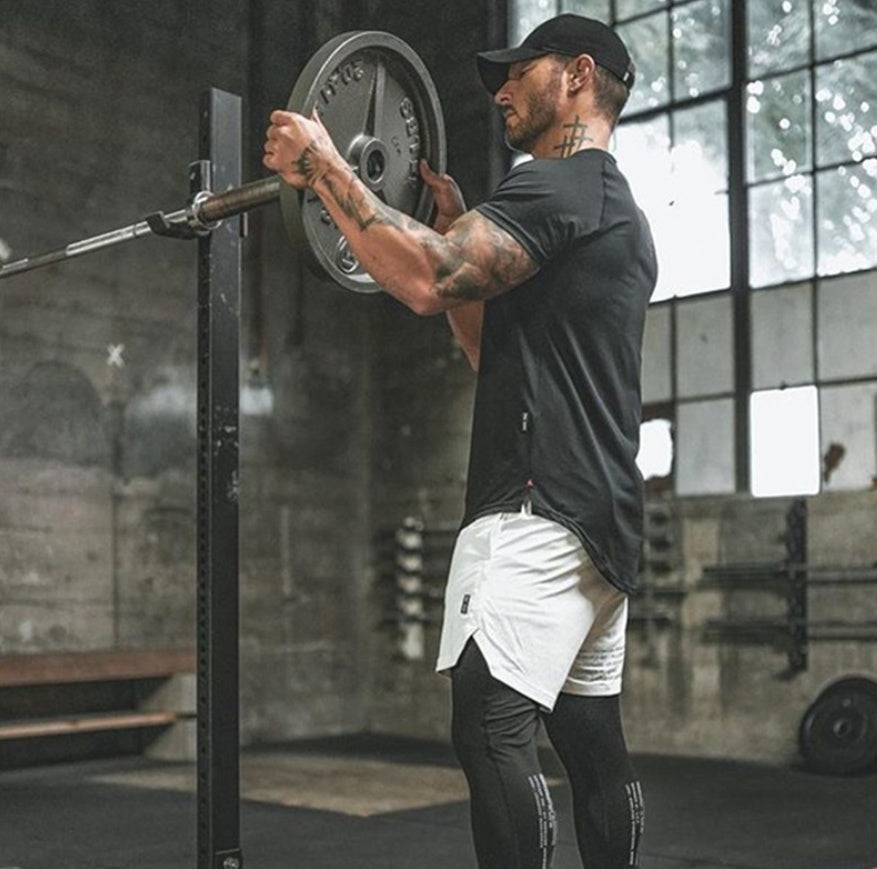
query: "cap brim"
493, 66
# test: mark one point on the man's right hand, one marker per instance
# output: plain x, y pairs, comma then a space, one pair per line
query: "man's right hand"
299, 149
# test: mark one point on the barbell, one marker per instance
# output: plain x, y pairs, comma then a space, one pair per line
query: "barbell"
377, 100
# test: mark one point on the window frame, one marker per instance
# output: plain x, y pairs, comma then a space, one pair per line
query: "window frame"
739, 190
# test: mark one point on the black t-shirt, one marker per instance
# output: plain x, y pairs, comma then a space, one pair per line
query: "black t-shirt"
557, 406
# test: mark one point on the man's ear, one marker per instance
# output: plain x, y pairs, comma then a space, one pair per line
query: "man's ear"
580, 71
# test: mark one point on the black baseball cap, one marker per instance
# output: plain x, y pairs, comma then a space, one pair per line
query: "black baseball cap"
566, 34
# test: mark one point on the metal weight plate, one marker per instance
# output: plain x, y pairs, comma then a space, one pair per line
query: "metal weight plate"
838, 733
379, 104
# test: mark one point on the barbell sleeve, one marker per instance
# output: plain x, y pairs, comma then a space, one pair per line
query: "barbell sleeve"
238, 199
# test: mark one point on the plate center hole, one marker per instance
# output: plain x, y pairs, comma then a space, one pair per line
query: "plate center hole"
375, 165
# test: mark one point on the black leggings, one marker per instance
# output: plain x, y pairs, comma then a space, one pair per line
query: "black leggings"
513, 824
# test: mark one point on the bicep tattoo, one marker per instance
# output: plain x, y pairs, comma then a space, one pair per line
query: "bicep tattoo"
483, 260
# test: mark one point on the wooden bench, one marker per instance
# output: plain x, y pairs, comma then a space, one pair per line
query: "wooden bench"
52, 696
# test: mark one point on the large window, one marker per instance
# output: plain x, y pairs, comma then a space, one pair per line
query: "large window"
811, 128
750, 141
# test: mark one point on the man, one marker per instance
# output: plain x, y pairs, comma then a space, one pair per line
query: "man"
546, 286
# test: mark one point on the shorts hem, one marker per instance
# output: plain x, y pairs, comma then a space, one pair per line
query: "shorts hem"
545, 699
596, 689
446, 661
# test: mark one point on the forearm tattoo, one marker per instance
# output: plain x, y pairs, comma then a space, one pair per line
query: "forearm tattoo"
306, 164
501, 261
364, 207
575, 136
353, 206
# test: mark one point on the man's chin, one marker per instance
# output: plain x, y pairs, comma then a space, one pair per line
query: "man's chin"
515, 144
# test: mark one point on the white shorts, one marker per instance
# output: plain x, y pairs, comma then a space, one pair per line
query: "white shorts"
542, 615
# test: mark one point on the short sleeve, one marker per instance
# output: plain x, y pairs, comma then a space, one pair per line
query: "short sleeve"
546, 205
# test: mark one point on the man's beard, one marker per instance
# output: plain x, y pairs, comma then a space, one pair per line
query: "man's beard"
540, 108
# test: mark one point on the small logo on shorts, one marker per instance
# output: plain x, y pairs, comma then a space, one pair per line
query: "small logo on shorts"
465, 608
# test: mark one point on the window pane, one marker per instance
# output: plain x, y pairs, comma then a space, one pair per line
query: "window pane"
700, 147
705, 447
655, 457
648, 41
778, 34
847, 222
527, 14
642, 149
704, 351
784, 441
847, 415
657, 383
698, 208
847, 310
693, 243
846, 110
782, 336
780, 231
700, 48
778, 126
844, 25
598, 9
676, 193
629, 8
643, 152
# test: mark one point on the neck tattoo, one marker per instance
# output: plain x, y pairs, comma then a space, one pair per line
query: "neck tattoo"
575, 135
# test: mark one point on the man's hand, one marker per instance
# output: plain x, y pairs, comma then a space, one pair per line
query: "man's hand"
465, 320
299, 149
448, 198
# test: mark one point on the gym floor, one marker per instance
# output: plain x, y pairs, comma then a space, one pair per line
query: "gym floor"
373, 803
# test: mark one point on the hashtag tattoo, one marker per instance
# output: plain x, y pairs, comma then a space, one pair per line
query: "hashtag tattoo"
575, 135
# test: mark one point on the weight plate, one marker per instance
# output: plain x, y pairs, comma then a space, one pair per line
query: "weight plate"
838, 733
379, 104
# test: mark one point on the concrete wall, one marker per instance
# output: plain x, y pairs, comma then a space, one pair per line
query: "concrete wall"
97, 381
356, 412
99, 106
687, 694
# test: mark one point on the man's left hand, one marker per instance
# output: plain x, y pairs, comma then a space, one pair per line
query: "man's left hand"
448, 198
